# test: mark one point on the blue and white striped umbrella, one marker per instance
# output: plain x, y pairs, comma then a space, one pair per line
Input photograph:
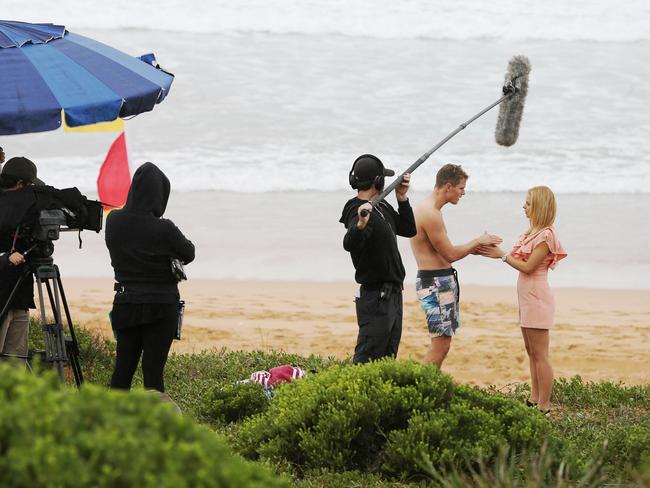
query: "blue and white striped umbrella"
45, 69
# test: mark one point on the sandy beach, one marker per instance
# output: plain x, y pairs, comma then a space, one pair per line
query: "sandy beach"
602, 335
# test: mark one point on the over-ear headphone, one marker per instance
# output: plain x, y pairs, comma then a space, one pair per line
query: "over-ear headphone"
377, 181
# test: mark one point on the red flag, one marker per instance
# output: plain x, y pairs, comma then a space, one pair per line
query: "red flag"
114, 178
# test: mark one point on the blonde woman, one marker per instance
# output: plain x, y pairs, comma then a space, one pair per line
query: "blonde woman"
537, 250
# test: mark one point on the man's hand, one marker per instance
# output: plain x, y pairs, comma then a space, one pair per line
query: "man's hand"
480, 250
363, 221
16, 259
489, 240
403, 188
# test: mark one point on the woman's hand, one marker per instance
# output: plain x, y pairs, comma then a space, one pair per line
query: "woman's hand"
491, 251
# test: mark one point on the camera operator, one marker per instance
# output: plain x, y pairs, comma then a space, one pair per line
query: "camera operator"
146, 306
17, 175
22, 197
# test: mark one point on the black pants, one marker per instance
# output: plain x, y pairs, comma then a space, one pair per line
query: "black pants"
149, 333
380, 325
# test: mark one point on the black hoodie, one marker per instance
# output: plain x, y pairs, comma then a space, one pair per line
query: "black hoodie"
374, 250
141, 244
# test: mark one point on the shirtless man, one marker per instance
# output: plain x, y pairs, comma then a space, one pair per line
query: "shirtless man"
437, 281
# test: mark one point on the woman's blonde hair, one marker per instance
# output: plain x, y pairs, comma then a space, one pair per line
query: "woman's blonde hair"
542, 207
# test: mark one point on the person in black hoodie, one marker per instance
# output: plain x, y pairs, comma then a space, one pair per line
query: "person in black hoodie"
372, 244
146, 304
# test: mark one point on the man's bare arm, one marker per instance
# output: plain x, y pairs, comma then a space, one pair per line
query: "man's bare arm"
435, 230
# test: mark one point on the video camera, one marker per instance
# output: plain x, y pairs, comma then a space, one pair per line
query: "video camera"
45, 224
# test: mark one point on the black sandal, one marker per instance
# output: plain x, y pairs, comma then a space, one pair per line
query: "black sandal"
530, 404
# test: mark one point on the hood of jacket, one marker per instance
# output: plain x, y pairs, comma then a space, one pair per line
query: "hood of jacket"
149, 191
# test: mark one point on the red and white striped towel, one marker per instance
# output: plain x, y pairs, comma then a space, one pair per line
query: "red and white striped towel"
280, 374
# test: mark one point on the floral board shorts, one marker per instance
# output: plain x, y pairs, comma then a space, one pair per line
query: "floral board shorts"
438, 293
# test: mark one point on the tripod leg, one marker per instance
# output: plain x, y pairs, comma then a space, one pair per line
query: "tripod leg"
73, 350
53, 333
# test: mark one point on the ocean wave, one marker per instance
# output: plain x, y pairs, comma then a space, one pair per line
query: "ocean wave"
581, 20
246, 171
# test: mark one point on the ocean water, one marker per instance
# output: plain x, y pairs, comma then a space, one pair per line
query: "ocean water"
274, 100
297, 236
593, 20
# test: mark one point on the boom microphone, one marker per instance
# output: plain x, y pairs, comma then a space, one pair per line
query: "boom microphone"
514, 94
512, 109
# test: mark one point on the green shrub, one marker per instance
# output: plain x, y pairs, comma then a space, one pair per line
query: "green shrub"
388, 416
510, 469
472, 427
189, 378
53, 435
595, 423
445, 437
575, 393
604, 421
516, 422
323, 478
627, 445
232, 403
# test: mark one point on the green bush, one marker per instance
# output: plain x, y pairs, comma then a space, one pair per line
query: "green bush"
189, 378
510, 469
388, 416
620, 438
628, 446
576, 393
603, 421
232, 403
323, 478
596, 424
472, 427
445, 437
53, 435
600, 423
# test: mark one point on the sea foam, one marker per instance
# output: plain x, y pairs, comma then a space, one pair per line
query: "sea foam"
602, 20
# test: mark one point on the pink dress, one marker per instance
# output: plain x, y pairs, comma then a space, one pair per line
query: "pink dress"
536, 300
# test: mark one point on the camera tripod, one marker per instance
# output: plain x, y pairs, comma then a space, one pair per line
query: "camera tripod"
59, 348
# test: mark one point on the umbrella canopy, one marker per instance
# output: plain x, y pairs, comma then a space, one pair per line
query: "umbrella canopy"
45, 69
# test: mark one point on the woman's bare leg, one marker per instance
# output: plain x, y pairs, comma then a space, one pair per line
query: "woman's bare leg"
534, 386
538, 339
